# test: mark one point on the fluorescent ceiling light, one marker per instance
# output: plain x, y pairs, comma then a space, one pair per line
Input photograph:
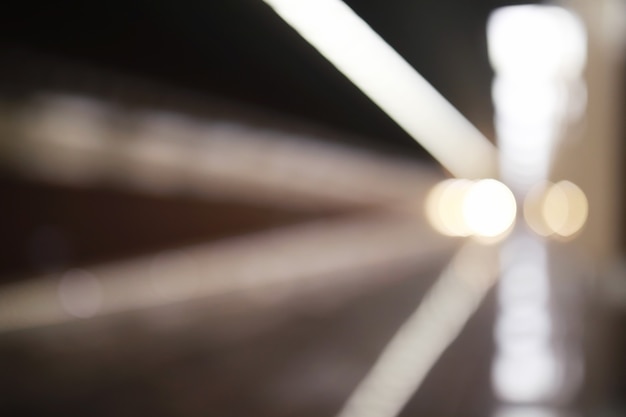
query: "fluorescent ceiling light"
390, 82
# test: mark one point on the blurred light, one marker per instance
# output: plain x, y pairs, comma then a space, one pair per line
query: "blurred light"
538, 53
389, 81
523, 330
525, 153
444, 207
559, 209
533, 209
466, 266
424, 336
565, 208
528, 101
527, 378
80, 293
76, 140
555, 208
65, 138
484, 208
152, 157
524, 324
537, 41
526, 411
166, 267
301, 257
525, 282
489, 208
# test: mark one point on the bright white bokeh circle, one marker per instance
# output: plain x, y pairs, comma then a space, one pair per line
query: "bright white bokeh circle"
489, 208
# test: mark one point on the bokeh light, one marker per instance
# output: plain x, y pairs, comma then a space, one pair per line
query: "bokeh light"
489, 208
484, 208
80, 293
444, 207
565, 208
527, 378
559, 209
556, 45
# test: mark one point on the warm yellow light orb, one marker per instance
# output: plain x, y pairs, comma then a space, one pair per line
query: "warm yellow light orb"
444, 207
559, 209
565, 208
534, 209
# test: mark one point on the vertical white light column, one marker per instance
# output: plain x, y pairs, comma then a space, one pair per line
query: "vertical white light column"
538, 54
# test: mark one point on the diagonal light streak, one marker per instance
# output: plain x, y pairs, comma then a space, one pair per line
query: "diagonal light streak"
320, 253
391, 83
424, 336
77, 140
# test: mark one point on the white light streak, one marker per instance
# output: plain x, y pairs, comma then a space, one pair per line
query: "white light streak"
80, 293
75, 140
389, 81
538, 53
322, 252
526, 411
418, 344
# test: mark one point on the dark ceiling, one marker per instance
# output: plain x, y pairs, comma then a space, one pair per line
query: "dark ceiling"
240, 50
